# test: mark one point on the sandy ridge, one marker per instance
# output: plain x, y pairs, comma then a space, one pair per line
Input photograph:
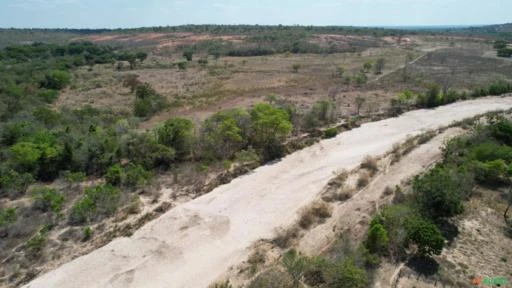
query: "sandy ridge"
192, 244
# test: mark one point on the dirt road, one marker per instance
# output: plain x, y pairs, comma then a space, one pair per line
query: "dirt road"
192, 244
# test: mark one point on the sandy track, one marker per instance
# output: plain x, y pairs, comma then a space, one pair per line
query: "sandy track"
192, 244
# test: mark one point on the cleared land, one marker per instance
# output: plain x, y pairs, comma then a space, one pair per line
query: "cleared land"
222, 225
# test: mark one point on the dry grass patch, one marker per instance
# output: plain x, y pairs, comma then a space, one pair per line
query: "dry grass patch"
285, 237
371, 164
388, 191
363, 180
314, 213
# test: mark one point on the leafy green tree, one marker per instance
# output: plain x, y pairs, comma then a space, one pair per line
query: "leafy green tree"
141, 56
48, 199
432, 96
270, 126
188, 54
425, 235
359, 103
394, 218
26, 156
14, 184
143, 149
379, 66
320, 114
367, 67
115, 175
98, 200
144, 91
377, 240
7, 216
502, 131
225, 133
500, 44
440, 192
56, 79
143, 107
136, 176
296, 265
348, 274
177, 133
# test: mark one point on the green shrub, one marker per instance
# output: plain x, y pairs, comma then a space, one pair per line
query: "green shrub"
320, 114
98, 201
182, 66
224, 133
25, 156
177, 133
494, 172
272, 278
270, 126
115, 175
56, 80
38, 241
143, 107
14, 184
87, 234
74, 177
49, 95
440, 192
377, 239
136, 176
144, 149
330, 133
502, 131
188, 54
47, 199
348, 274
247, 156
425, 235
7, 216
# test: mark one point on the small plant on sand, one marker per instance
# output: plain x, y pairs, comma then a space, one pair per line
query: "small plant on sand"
314, 213
363, 179
371, 164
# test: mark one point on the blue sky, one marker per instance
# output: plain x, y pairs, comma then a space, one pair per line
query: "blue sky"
138, 13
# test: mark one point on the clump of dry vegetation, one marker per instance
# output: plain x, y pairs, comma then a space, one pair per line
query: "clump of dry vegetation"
313, 214
371, 164
285, 237
363, 180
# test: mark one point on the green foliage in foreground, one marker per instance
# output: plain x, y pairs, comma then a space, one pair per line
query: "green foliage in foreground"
484, 157
130, 176
441, 192
7, 216
47, 199
102, 200
313, 271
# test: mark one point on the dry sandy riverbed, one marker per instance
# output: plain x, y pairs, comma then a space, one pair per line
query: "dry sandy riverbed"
194, 243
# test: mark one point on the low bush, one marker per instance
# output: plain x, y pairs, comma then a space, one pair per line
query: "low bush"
314, 213
36, 244
102, 200
440, 192
377, 239
284, 237
330, 133
363, 180
371, 164
47, 199
7, 216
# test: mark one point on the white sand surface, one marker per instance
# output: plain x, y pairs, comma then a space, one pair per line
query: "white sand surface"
194, 243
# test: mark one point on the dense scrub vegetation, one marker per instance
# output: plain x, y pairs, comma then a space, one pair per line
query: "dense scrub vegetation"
423, 220
416, 226
434, 96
